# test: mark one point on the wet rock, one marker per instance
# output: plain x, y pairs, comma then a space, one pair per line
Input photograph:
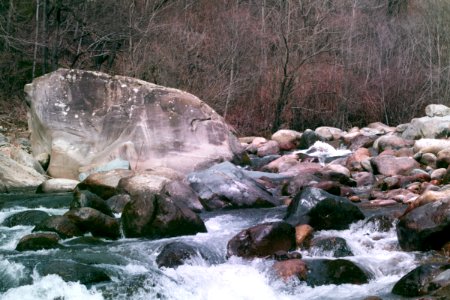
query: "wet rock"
291, 267
336, 271
308, 138
73, 271
257, 163
104, 184
95, 222
420, 281
262, 240
58, 185
322, 210
156, 216
389, 165
175, 254
38, 241
27, 218
335, 245
179, 191
186, 133
227, 186
303, 234
381, 223
84, 198
62, 225
117, 203
426, 227
287, 139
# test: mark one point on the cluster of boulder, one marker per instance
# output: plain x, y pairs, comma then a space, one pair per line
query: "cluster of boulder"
148, 178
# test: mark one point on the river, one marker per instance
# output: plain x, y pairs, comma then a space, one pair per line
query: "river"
131, 262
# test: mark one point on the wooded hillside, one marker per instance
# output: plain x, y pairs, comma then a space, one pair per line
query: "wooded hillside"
263, 64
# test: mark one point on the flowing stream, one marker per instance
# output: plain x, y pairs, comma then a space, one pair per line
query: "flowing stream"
131, 263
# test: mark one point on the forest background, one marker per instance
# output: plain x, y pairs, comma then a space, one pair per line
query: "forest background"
262, 64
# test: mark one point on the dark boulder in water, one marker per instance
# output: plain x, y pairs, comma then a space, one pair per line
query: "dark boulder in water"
226, 186
156, 216
425, 228
39, 241
62, 225
95, 222
177, 253
85, 198
27, 218
262, 240
322, 210
421, 281
335, 245
334, 271
73, 271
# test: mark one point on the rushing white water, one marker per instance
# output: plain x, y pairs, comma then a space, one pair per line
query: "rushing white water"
131, 265
51, 287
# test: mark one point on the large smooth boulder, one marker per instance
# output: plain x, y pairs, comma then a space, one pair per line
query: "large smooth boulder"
155, 216
262, 240
225, 185
322, 210
420, 281
85, 117
336, 271
17, 177
95, 222
426, 227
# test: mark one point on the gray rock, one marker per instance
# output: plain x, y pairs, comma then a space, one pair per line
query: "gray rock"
27, 218
85, 118
16, 177
73, 271
156, 216
225, 185
58, 185
437, 110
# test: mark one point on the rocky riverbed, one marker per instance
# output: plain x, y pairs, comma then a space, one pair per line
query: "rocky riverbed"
325, 213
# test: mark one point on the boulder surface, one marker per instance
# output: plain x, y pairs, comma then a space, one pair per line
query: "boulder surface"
84, 118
